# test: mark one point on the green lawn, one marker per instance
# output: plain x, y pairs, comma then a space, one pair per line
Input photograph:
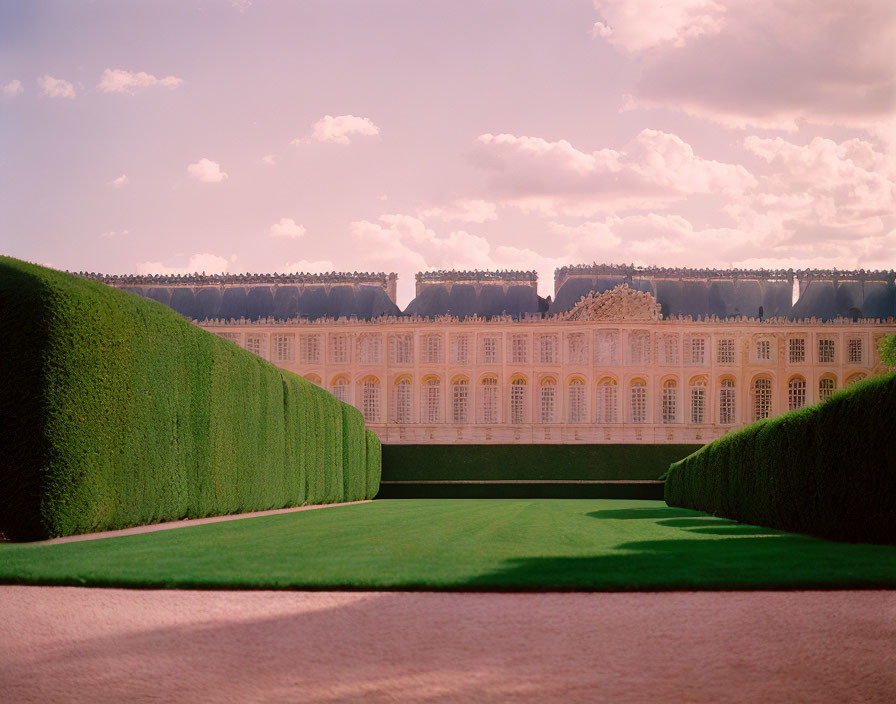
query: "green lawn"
463, 545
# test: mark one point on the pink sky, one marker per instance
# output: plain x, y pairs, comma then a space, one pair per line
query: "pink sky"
401, 136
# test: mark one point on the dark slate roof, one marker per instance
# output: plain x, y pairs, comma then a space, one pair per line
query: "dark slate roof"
693, 297
279, 302
485, 300
828, 299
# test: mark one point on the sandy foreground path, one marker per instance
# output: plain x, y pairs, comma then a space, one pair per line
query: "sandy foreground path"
64, 644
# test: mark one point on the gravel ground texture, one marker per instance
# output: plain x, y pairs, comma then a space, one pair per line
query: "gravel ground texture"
109, 645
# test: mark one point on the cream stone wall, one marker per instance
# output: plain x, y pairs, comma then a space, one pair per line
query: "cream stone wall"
413, 386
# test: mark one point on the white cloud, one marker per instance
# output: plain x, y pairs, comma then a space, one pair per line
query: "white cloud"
820, 191
13, 88
764, 63
663, 239
207, 171
636, 25
198, 263
286, 227
463, 210
320, 266
119, 182
338, 129
114, 233
404, 241
56, 87
404, 244
653, 170
120, 81
269, 159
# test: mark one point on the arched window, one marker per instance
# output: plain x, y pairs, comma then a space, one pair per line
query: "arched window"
575, 395
607, 403
826, 387
762, 397
698, 400
460, 400
548, 400
401, 400
339, 388
796, 393
854, 378
370, 399
313, 378
670, 401
638, 400
431, 405
518, 400
488, 400
727, 402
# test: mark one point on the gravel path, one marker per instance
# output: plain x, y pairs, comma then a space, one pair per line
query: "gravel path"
107, 645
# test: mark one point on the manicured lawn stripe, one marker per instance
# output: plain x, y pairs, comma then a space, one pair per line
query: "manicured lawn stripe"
592, 545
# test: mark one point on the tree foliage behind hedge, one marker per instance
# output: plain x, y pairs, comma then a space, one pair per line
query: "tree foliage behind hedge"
828, 470
118, 412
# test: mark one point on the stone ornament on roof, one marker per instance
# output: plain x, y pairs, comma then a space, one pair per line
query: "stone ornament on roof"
203, 279
632, 271
619, 303
444, 276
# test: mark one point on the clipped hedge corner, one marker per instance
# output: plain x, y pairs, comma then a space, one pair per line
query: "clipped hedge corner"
374, 464
827, 470
118, 412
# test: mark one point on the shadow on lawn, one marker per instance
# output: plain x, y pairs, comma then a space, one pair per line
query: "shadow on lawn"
696, 522
643, 513
742, 561
743, 557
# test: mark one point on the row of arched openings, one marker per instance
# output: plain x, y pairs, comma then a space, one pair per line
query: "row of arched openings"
676, 404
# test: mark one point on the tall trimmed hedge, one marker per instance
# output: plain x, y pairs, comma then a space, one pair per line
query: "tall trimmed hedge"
374, 464
521, 462
118, 412
828, 470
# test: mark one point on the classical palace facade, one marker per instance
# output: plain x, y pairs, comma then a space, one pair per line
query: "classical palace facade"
620, 354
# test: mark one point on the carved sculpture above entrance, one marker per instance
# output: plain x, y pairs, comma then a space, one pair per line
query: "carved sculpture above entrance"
619, 303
